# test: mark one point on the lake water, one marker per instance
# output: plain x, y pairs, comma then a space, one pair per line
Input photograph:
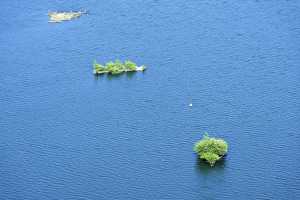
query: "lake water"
68, 135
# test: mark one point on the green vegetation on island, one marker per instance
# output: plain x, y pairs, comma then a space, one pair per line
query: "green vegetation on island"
211, 149
116, 67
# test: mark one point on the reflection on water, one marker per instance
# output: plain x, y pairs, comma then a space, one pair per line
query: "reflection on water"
203, 168
130, 75
107, 76
114, 76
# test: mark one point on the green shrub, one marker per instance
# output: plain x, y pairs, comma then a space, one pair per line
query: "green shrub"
119, 65
211, 158
211, 149
98, 68
110, 66
131, 66
116, 67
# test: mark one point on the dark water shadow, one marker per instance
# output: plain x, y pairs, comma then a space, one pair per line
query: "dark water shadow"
109, 76
202, 167
114, 76
130, 75
98, 76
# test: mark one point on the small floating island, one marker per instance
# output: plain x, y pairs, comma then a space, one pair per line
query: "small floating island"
116, 67
211, 149
64, 16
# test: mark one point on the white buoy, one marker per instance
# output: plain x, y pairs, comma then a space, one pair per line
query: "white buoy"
190, 105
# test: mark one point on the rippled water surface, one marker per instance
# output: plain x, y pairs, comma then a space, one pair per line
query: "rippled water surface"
67, 135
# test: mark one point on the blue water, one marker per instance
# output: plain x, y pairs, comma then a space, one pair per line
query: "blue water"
68, 135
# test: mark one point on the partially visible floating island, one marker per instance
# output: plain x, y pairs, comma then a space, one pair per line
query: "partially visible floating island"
64, 16
117, 67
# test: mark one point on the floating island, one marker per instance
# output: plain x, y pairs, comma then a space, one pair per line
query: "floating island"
117, 67
211, 149
64, 16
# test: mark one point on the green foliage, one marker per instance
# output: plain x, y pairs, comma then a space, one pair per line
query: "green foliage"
119, 65
110, 66
98, 67
116, 67
211, 158
131, 66
211, 149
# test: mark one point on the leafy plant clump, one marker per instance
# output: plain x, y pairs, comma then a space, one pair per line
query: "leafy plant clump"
116, 67
211, 149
